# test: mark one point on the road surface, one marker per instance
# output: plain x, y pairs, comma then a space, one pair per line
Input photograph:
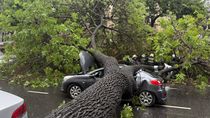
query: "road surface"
183, 102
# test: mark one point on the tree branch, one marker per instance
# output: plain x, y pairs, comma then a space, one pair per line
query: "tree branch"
93, 42
121, 32
180, 36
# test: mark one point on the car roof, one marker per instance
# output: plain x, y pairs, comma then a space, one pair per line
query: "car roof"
150, 74
144, 73
91, 72
100, 69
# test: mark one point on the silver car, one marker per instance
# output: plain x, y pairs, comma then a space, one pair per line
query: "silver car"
150, 88
12, 106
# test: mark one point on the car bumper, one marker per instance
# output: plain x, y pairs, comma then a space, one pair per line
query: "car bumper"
161, 96
62, 88
25, 115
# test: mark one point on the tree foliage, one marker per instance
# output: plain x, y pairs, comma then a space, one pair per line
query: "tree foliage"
179, 8
127, 112
111, 24
39, 28
188, 39
46, 34
37, 36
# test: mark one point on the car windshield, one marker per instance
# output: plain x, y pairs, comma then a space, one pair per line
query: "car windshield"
94, 71
99, 69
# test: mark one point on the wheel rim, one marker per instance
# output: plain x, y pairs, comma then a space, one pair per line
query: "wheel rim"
146, 98
75, 91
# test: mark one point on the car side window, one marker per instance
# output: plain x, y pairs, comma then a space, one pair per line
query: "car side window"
99, 74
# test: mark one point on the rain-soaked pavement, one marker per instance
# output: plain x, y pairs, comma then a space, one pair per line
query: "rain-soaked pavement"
38, 104
183, 102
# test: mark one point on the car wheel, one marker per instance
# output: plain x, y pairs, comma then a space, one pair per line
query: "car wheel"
146, 98
74, 90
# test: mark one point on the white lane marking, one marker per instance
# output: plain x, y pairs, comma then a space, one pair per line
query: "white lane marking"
38, 92
176, 107
169, 88
172, 88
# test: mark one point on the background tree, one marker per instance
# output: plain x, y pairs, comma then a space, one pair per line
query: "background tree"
37, 33
45, 34
111, 24
188, 40
40, 30
159, 8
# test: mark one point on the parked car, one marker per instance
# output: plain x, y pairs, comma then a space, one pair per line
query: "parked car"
12, 106
73, 85
150, 88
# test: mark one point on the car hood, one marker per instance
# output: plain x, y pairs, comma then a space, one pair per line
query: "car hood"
8, 100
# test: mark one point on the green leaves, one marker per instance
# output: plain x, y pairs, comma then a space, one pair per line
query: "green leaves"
187, 39
127, 112
40, 28
38, 36
201, 82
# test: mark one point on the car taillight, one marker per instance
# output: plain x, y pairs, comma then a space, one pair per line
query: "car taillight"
20, 111
156, 82
164, 94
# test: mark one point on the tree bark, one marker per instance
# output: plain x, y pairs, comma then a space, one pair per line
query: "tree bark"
102, 98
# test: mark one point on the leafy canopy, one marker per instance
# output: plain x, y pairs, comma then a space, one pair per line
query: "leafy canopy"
38, 35
188, 39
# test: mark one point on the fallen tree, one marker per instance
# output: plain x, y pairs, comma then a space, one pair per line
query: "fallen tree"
102, 99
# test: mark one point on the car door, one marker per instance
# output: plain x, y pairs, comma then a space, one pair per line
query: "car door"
98, 75
95, 76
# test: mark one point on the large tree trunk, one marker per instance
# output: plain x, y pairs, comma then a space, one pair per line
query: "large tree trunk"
102, 98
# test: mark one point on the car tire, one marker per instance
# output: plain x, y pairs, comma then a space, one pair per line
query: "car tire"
74, 90
147, 98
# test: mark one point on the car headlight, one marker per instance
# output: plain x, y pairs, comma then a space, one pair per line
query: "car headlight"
66, 78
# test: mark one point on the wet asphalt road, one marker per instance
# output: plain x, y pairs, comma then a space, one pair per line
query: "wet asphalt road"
195, 105
38, 105
183, 102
